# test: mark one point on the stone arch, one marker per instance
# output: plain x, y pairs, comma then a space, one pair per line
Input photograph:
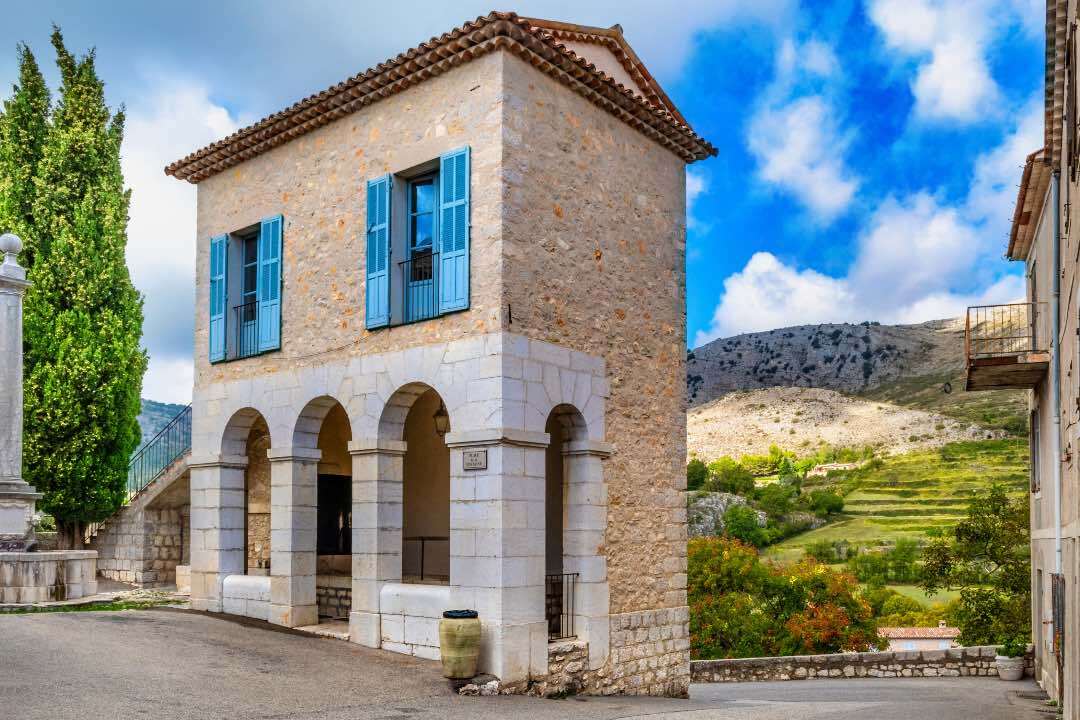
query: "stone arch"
234, 437
396, 411
309, 422
569, 422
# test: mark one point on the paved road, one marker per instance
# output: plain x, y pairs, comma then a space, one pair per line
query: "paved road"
170, 665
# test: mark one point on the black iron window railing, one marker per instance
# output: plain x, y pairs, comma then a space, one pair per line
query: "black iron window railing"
559, 604
247, 330
419, 287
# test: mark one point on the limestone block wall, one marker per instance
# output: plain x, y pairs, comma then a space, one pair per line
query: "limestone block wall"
954, 662
247, 595
410, 618
141, 545
333, 595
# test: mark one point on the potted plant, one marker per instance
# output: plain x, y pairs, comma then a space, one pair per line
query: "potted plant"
1011, 657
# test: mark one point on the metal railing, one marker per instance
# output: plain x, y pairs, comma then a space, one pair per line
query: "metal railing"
247, 330
420, 287
151, 459
159, 452
559, 604
1000, 330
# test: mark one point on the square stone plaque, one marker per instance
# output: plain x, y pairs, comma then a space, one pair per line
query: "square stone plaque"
474, 459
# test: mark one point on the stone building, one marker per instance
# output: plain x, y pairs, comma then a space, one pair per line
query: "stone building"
1033, 346
440, 346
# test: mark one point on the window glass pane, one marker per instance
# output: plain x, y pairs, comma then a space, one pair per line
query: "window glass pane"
423, 200
249, 278
422, 231
251, 250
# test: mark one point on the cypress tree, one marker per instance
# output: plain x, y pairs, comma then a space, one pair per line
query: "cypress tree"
84, 364
24, 124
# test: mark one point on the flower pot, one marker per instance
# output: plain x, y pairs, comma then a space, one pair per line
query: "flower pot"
1010, 668
459, 643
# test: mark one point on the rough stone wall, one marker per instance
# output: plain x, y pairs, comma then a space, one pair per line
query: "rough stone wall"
257, 482
595, 248
317, 182
955, 662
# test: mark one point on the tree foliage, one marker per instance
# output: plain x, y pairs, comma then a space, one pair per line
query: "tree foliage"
987, 559
83, 316
743, 607
24, 126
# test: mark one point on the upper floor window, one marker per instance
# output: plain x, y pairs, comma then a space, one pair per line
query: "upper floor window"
245, 291
418, 242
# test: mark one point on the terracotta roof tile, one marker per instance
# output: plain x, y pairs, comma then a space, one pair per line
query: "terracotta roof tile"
919, 633
535, 44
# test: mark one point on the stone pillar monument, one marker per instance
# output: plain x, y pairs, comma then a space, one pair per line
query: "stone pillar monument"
17, 498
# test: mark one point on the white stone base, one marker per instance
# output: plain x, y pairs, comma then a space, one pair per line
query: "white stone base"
409, 622
183, 579
247, 595
34, 577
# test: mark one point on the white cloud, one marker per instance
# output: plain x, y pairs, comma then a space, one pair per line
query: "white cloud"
794, 133
800, 149
162, 126
697, 184
949, 41
918, 258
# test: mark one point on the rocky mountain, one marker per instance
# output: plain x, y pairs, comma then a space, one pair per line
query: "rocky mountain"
155, 416
843, 357
897, 387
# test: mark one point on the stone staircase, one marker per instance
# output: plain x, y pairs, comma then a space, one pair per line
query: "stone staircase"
146, 540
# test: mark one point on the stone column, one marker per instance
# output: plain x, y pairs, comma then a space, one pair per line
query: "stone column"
17, 498
497, 548
217, 526
584, 527
378, 471
294, 484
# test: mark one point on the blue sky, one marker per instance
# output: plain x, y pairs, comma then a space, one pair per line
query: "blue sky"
869, 149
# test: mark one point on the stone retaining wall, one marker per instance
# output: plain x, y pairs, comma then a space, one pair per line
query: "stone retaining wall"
955, 662
333, 595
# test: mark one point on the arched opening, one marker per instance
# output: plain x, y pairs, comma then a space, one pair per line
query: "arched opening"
326, 424
425, 556
257, 500
564, 425
248, 435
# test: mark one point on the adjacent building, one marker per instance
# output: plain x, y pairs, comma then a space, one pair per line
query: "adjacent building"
902, 639
1033, 345
440, 346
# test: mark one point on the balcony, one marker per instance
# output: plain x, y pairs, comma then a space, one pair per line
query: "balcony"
1005, 346
246, 323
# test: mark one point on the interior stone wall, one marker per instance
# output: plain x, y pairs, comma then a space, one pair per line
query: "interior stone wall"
257, 480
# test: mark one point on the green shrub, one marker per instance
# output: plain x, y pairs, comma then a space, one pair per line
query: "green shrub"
726, 475
696, 474
741, 523
825, 502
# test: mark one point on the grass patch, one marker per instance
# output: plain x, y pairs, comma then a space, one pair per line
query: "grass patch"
90, 607
917, 593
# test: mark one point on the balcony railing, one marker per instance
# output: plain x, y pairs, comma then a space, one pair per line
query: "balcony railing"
246, 318
559, 604
1004, 346
997, 330
420, 287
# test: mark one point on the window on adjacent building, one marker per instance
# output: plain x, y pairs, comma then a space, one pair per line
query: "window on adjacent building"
245, 291
417, 250
1033, 444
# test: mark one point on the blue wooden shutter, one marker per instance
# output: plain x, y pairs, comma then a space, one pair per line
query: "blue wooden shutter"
377, 293
454, 230
218, 266
268, 284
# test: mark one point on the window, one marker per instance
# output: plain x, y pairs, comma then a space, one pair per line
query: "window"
417, 250
245, 291
1033, 443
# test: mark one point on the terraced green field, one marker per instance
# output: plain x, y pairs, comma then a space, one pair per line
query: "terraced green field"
912, 494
